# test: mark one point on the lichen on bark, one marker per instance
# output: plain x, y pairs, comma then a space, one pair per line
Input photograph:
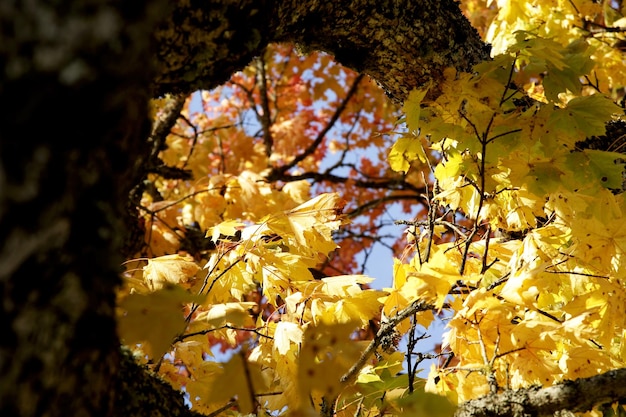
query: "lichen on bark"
400, 44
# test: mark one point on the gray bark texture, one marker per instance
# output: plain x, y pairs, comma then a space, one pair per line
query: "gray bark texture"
75, 80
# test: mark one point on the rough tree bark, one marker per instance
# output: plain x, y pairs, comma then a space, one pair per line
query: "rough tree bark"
73, 94
73, 100
402, 44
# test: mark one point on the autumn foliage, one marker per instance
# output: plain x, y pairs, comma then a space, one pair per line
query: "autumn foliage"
506, 189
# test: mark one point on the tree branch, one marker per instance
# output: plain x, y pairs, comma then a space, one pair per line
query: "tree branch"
391, 184
266, 116
577, 396
386, 329
401, 44
59, 350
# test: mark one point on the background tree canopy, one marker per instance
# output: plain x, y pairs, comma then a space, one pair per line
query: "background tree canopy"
190, 194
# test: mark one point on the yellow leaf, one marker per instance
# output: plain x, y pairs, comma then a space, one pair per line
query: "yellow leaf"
327, 353
156, 318
344, 284
390, 362
584, 361
395, 302
236, 314
199, 389
406, 150
191, 353
310, 225
432, 280
227, 228
412, 107
285, 334
365, 378
421, 403
238, 378
172, 269
359, 308
298, 190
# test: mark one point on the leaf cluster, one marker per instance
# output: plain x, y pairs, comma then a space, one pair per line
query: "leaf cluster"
532, 286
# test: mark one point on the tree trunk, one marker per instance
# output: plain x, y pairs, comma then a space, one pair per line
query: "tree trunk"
73, 102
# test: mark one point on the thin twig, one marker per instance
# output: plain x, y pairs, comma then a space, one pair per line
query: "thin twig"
223, 408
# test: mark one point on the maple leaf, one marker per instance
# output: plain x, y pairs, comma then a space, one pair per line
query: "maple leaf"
190, 352
227, 228
236, 314
488, 153
169, 269
309, 225
423, 403
154, 318
406, 150
595, 167
584, 117
412, 109
326, 354
358, 308
237, 379
343, 285
286, 334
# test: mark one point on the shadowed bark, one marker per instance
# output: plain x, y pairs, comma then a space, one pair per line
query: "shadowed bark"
73, 105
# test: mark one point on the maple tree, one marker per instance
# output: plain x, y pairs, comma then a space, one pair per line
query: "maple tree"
511, 167
495, 160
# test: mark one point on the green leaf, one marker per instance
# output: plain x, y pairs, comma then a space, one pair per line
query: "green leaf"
544, 178
543, 52
584, 117
420, 403
374, 391
441, 132
589, 166
608, 166
578, 63
560, 67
